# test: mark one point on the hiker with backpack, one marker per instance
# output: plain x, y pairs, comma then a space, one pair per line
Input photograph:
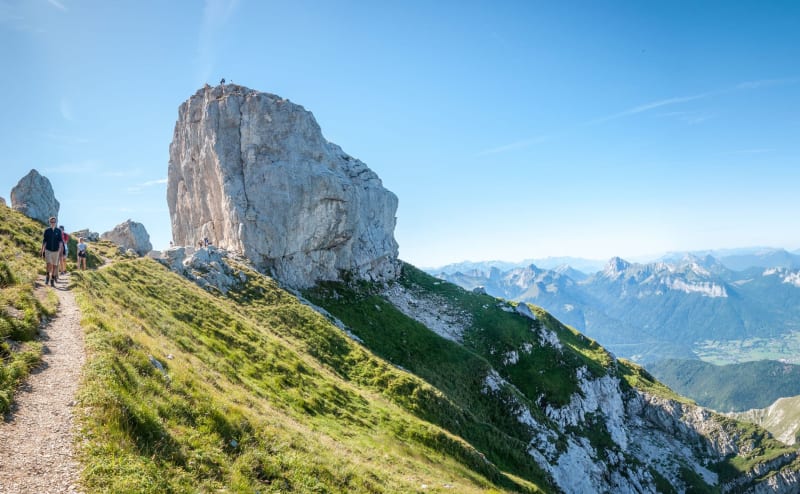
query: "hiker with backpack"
52, 246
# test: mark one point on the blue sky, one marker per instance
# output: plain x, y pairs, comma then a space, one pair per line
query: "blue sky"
508, 130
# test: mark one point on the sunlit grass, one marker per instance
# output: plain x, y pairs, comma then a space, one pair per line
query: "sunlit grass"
22, 309
244, 404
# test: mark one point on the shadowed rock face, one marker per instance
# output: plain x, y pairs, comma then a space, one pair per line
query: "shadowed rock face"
252, 172
33, 196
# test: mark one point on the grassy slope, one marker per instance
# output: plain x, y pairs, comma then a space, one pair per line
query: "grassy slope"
259, 393
21, 307
728, 388
543, 376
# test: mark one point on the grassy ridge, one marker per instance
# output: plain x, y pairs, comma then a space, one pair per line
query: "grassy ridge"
259, 393
22, 308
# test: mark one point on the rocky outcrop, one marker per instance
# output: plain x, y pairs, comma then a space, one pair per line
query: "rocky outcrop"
208, 267
33, 196
87, 235
130, 235
252, 172
3, 201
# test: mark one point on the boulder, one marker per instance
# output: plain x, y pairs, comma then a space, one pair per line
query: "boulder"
208, 267
252, 172
130, 235
3, 201
524, 310
87, 235
33, 196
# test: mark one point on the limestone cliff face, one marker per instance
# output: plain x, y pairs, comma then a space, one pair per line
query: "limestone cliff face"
252, 172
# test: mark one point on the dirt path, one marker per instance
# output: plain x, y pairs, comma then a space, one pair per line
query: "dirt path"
36, 437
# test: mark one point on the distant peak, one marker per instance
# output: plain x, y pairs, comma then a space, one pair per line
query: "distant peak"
617, 265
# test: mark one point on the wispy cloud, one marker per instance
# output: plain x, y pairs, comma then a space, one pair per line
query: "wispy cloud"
768, 83
690, 117
650, 106
144, 185
57, 4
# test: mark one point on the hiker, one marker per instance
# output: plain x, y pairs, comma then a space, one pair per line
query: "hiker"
51, 251
65, 238
81, 254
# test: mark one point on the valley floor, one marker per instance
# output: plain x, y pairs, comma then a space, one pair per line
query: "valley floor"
37, 434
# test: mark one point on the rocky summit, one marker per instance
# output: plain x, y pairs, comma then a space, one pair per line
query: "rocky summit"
252, 173
33, 196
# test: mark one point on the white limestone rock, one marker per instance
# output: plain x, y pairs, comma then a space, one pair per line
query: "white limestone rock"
130, 235
524, 310
208, 267
33, 196
252, 172
87, 235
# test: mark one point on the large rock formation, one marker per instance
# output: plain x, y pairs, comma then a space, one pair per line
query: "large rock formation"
130, 235
33, 196
252, 172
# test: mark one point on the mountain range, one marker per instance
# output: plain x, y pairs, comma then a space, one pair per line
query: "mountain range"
674, 308
735, 259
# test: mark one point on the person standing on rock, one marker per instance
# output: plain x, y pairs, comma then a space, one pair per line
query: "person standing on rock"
51, 251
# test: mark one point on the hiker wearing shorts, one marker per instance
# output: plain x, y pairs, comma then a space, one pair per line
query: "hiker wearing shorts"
51, 251
81, 254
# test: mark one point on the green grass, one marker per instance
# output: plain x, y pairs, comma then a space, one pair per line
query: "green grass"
543, 374
757, 444
732, 387
260, 394
22, 308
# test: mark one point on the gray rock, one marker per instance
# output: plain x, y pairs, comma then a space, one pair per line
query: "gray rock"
523, 309
87, 235
130, 235
173, 258
207, 267
253, 173
479, 290
33, 196
3, 201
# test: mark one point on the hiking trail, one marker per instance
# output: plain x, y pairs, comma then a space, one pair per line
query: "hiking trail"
36, 435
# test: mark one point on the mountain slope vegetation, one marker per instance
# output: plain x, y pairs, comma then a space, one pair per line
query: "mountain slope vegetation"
22, 308
732, 387
190, 390
258, 392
